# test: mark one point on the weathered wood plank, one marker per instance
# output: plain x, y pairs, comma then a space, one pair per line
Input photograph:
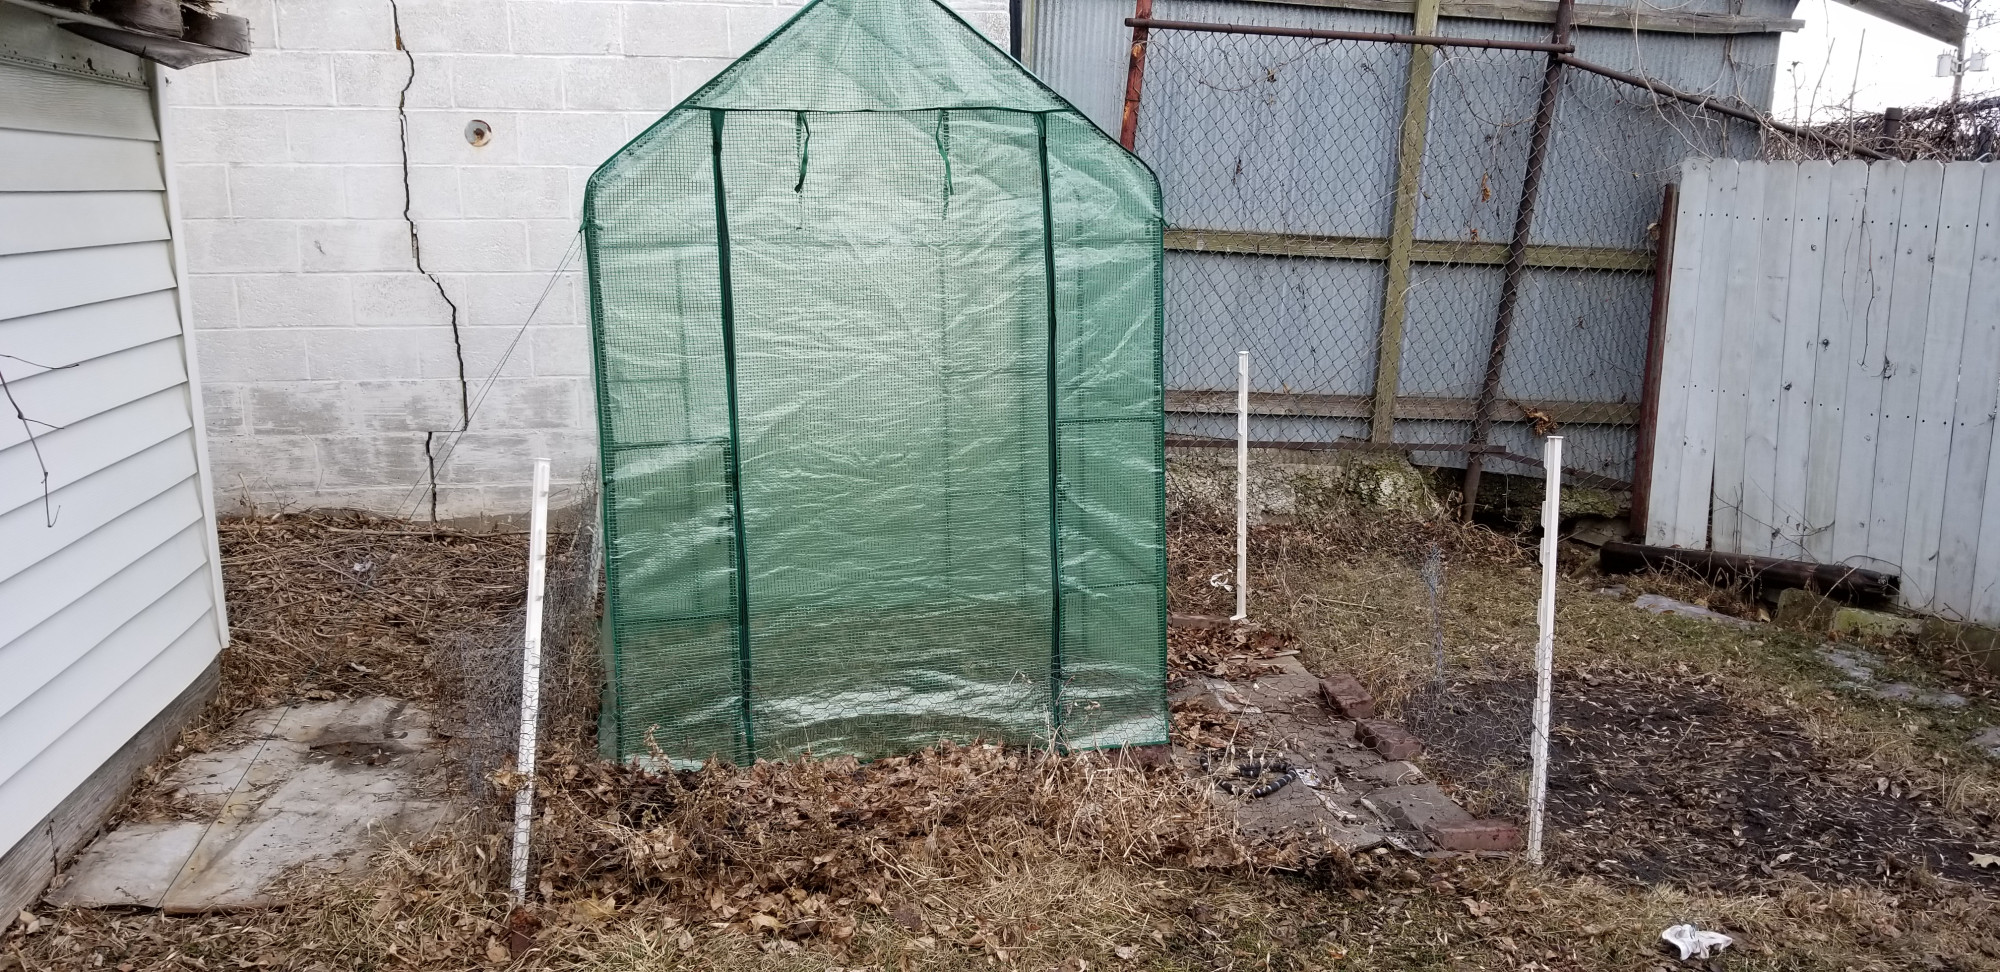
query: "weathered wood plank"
1806, 269
1732, 369
1867, 348
1676, 357
1938, 381
1844, 285
1697, 470
1587, 15
1933, 20
1757, 522
1841, 581
1218, 402
1403, 226
1902, 362
1968, 531
1985, 597
1421, 251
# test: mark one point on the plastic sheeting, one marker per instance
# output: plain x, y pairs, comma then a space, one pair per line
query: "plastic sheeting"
877, 322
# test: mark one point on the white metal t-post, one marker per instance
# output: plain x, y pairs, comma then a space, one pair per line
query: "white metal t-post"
1242, 486
531, 678
1545, 644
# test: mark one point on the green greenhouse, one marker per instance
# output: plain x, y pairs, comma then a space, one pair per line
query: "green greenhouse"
876, 318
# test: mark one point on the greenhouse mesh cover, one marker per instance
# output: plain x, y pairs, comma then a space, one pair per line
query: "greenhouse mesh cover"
877, 325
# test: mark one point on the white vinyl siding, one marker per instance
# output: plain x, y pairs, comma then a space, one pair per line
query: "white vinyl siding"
109, 601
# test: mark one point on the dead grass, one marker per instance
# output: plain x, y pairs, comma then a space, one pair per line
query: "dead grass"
981, 858
341, 604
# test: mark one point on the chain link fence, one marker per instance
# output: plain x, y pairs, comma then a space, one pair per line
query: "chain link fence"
1343, 209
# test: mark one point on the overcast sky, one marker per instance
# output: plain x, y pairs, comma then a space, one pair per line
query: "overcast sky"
1817, 65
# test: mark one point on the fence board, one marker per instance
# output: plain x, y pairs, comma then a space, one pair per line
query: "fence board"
1842, 270
1902, 363
1937, 380
1867, 347
1986, 572
1763, 366
1851, 316
1732, 372
1972, 425
1663, 512
1698, 449
1806, 268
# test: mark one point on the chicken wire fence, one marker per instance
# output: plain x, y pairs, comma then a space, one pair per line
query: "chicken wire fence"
1370, 306
480, 667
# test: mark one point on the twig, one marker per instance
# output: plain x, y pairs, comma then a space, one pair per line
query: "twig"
49, 510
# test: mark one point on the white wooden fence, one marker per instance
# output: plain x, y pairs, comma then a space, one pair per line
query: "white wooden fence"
1831, 371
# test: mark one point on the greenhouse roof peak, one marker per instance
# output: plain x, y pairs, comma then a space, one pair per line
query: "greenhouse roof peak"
875, 55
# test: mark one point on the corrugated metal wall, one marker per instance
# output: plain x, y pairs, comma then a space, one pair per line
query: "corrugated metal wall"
110, 601
1315, 153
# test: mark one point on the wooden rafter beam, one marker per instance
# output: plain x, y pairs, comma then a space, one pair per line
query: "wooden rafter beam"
1933, 20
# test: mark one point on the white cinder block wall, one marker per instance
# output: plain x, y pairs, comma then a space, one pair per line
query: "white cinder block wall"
333, 374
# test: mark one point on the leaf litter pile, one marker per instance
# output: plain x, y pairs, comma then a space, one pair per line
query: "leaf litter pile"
981, 857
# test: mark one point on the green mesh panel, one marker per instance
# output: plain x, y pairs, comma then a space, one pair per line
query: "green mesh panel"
876, 318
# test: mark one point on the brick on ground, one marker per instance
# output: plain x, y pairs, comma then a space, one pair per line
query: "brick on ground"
1388, 739
1346, 695
1475, 835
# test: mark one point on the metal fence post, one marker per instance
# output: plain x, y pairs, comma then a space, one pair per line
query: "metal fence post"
1403, 227
1517, 258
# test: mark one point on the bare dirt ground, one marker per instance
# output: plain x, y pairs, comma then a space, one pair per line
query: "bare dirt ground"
1666, 778
1702, 773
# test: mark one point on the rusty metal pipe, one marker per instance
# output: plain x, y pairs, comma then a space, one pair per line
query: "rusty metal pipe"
1147, 23
1135, 74
1517, 254
1719, 107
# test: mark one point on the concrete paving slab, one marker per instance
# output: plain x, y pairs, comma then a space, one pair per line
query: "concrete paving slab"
1989, 740
318, 786
1905, 692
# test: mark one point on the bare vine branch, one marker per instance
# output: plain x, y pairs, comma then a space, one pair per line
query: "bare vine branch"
49, 510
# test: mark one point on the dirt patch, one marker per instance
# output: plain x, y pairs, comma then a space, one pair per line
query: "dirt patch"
1668, 778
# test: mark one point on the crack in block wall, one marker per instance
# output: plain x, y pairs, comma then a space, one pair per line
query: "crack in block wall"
328, 360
